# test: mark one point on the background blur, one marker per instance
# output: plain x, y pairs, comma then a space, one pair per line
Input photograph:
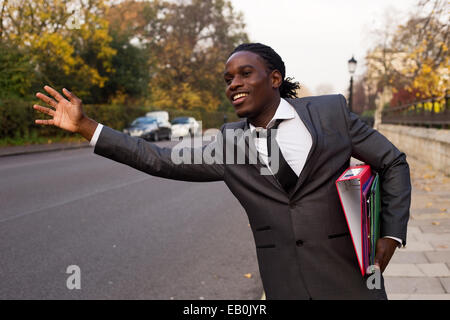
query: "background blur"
127, 57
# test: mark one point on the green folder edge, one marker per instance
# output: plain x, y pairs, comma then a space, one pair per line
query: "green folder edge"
375, 205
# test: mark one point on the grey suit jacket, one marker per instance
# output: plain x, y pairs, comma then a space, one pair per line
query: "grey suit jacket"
302, 240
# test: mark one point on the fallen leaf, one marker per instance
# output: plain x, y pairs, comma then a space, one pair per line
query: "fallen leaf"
435, 223
427, 189
443, 209
429, 204
248, 275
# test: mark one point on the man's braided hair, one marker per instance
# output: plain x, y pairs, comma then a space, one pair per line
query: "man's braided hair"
288, 88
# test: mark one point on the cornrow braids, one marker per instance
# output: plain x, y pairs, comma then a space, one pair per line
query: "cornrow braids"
288, 88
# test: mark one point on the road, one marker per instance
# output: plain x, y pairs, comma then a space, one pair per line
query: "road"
132, 235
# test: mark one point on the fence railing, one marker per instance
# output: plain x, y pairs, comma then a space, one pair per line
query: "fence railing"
430, 112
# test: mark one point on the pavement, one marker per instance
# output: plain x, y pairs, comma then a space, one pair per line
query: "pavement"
36, 148
418, 271
421, 269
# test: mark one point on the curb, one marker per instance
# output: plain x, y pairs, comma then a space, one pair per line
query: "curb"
38, 148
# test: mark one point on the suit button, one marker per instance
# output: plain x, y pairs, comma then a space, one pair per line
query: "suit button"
299, 243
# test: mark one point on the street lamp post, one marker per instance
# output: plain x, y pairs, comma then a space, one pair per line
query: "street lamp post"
351, 69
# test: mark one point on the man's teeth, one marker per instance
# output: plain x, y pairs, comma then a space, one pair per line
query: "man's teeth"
239, 95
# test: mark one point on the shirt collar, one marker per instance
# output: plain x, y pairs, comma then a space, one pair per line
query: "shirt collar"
284, 111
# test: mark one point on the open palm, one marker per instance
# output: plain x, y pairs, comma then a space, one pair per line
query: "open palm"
67, 114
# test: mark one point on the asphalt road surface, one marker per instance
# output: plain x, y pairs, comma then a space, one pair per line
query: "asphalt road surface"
132, 236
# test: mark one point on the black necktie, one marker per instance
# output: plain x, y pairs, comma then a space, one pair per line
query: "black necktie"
285, 175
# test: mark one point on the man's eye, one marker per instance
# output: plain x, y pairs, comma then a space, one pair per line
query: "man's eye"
228, 81
247, 73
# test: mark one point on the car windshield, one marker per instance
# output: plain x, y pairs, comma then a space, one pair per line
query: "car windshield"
180, 120
143, 120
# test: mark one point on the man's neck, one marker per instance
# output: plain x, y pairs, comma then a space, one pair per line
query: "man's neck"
264, 117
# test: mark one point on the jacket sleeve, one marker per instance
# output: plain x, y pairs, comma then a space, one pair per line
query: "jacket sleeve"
373, 148
185, 164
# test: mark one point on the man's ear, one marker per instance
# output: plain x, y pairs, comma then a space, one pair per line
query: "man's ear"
276, 79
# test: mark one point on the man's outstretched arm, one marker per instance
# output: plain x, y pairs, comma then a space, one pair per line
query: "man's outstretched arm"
136, 152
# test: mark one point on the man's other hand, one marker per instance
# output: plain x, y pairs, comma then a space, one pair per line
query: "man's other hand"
66, 114
384, 251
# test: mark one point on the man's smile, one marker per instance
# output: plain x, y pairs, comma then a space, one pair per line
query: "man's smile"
238, 97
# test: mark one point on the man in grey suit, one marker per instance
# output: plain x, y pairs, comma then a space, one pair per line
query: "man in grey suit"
303, 244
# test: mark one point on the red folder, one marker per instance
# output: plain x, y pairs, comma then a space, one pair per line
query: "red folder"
352, 188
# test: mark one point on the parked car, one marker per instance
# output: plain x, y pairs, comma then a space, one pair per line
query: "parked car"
160, 115
185, 126
149, 128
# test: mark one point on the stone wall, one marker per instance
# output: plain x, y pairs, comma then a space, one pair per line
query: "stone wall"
431, 146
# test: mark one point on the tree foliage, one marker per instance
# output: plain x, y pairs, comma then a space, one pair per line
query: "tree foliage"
414, 59
168, 54
191, 41
16, 73
67, 41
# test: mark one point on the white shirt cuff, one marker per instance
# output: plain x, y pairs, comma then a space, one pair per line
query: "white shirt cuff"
396, 239
94, 139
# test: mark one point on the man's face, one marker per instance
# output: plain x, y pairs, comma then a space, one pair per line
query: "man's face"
250, 86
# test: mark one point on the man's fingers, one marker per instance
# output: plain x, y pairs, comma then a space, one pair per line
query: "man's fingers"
69, 95
47, 99
45, 122
45, 110
54, 93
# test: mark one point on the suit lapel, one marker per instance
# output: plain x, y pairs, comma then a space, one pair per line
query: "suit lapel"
301, 106
259, 165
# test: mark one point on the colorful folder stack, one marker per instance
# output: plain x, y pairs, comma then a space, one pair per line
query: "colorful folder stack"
359, 192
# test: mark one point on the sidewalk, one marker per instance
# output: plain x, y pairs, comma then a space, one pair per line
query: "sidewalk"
421, 270
35, 148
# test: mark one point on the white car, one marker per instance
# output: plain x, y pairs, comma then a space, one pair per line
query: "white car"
160, 115
185, 126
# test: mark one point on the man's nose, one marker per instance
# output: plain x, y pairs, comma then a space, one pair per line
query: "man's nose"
236, 83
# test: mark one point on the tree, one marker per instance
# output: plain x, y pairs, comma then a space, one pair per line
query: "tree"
414, 57
425, 40
189, 42
16, 72
67, 41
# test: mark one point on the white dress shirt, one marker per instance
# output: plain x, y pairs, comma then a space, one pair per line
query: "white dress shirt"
292, 136
94, 138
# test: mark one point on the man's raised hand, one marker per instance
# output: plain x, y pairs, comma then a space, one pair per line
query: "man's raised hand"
66, 114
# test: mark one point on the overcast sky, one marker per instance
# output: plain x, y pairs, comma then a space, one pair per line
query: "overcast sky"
316, 38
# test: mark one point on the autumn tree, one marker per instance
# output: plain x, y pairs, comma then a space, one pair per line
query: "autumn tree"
425, 40
413, 58
67, 41
189, 42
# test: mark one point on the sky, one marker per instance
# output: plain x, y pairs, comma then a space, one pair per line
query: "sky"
316, 38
